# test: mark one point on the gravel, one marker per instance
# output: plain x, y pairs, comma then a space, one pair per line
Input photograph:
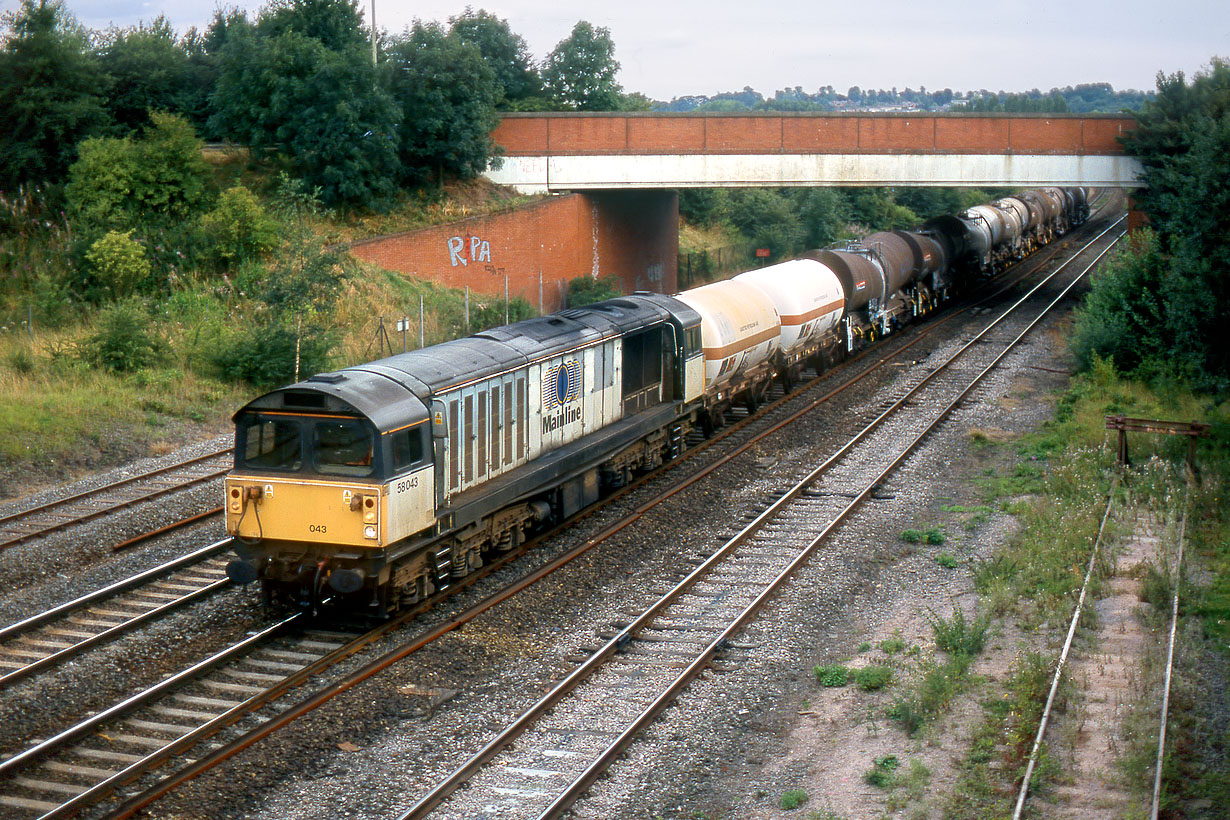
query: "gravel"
718, 750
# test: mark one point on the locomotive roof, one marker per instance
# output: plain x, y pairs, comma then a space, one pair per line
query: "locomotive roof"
394, 391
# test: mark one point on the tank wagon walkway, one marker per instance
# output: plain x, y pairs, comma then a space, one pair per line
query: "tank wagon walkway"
549, 153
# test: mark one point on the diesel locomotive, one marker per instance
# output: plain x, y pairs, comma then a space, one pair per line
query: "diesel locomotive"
367, 486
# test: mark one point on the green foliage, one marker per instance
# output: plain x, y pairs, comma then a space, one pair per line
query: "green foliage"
931, 695
833, 674
891, 646
585, 290
156, 180
1182, 140
239, 228
150, 71
505, 53
265, 355
52, 93
448, 95
301, 83
946, 561
123, 342
882, 773
1053, 103
932, 535
117, 265
792, 799
959, 636
768, 220
871, 678
580, 72
1123, 318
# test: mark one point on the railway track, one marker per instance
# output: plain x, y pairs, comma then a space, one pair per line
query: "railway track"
27, 525
566, 740
183, 741
61, 633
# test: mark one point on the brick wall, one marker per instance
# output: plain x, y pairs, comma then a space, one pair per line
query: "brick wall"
633, 235
565, 134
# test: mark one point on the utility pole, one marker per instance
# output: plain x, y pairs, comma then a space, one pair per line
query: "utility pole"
373, 33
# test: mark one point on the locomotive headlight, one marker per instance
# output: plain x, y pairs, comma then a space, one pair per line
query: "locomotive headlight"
369, 531
234, 499
369, 513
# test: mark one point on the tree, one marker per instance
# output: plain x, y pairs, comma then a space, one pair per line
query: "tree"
283, 91
154, 181
580, 72
505, 52
149, 71
448, 95
51, 93
1182, 140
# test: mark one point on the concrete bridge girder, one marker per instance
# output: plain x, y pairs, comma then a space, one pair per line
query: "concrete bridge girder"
549, 174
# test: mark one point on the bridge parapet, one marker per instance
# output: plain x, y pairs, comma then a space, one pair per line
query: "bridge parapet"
575, 151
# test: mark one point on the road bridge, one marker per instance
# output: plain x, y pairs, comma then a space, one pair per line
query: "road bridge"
556, 152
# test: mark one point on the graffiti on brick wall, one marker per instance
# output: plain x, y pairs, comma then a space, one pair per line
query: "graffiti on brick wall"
462, 250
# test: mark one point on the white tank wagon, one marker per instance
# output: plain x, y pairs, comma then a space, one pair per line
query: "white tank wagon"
810, 302
740, 333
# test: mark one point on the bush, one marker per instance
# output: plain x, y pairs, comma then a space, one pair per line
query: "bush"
117, 264
957, 636
123, 342
265, 358
833, 674
585, 290
238, 228
881, 774
872, 678
792, 799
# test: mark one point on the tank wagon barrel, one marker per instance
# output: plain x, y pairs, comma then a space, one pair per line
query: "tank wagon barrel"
367, 487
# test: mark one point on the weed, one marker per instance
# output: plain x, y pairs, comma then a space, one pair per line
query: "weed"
958, 636
792, 799
932, 694
932, 535
1157, 587
946, 561
871, 678
893, 645
864, 646
833, 674
21, 359
882, 772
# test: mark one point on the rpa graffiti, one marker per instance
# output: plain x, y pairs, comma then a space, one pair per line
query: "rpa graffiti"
479, 250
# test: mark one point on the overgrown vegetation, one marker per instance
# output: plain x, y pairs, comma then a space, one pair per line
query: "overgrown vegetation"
1158, 308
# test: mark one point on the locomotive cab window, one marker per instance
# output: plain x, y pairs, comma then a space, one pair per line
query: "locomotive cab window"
271, 444
342, 448
408, 448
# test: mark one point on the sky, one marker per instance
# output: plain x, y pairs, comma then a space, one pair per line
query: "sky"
675, 48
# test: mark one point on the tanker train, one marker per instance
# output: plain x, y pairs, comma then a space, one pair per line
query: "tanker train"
368, 486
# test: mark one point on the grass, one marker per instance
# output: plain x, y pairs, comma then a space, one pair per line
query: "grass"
792, 799
938, 685
959, 636
932, 535
832, 674
1057, 489
871, 678
893, 645
882, 773
59, 414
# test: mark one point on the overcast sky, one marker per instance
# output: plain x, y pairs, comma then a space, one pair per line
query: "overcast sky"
672, 48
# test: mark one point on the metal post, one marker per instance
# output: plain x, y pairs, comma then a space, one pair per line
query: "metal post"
506, 298
467, 309
420, 321
373, 33
540, 307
